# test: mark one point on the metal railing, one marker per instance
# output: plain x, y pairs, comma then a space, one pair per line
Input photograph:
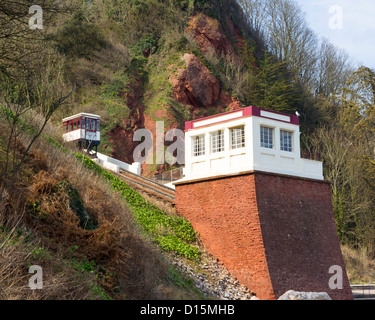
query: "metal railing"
169, 176
363, 291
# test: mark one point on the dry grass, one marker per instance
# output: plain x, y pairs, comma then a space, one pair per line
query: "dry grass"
359, 265
60, 281
127, 266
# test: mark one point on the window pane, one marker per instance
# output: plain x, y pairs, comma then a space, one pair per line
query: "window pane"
266, 137
198, 146
285, 140
217, 141
237, 137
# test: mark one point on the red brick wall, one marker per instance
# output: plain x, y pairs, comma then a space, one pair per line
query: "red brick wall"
299, 234
224, 212
272, 232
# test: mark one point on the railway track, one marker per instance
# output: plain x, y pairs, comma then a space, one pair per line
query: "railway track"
147, 185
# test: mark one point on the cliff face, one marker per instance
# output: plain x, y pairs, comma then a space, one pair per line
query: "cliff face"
193, 87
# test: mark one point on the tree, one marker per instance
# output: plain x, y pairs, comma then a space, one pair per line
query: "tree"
256, 13
17, 39
358, 107
285, 31
31, 83
21, 99
346, 147
333, 69
272, 86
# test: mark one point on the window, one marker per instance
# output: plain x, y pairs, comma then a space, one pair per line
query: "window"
198, 146
237, 137
76, 123
266, 137
217, 141
285, 140
90, 124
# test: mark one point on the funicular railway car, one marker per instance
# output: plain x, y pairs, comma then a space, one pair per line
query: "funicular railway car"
83, 129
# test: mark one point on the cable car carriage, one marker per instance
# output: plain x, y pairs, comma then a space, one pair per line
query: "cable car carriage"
84, 129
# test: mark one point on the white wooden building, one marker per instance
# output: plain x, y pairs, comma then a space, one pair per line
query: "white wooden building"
248, 139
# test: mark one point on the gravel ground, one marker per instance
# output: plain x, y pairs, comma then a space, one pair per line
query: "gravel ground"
213, 279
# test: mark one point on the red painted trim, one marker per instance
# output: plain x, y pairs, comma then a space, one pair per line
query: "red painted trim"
246, 112
188, 125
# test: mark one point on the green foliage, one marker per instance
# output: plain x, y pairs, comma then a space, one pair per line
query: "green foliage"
271, 88
170, 232
112, 89
173, 243
9, 115
99, 292
181, 43
78, 37
148, 44
40, 253
208, 7
85, 266
35, 210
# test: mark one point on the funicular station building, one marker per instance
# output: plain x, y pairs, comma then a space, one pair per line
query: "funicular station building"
261, 209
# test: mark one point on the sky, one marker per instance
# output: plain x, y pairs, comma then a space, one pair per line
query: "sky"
348, 24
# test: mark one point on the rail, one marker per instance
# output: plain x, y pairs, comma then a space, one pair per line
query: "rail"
147, 185
363, 291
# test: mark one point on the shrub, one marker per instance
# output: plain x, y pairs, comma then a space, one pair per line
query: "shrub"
78, 37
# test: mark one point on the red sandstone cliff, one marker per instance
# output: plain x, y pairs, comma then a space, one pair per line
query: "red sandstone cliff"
193, 86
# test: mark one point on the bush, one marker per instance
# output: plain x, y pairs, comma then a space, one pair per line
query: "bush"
78, 37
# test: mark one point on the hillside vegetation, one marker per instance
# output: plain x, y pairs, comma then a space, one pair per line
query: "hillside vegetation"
135, 62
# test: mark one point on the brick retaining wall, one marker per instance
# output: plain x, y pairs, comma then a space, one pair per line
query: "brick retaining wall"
273, 232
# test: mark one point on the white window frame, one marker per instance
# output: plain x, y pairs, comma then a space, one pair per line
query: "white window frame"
199, 145
269, 140
217, 141
237, 141
288, 147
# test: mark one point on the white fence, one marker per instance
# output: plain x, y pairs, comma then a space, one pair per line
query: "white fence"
115, 165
